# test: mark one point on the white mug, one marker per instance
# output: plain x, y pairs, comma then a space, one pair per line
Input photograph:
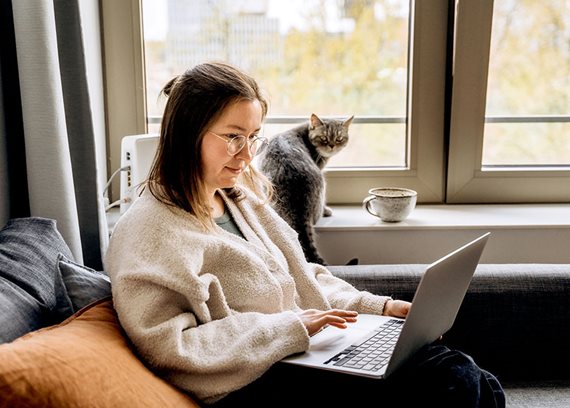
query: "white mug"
390, 204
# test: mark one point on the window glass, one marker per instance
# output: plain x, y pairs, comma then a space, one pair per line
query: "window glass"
329, 57
528, 96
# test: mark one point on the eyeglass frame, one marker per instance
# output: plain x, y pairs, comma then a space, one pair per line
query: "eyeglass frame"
230, 137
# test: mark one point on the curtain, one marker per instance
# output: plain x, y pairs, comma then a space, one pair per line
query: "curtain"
47, 140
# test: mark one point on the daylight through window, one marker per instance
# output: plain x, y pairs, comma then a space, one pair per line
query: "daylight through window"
328, 57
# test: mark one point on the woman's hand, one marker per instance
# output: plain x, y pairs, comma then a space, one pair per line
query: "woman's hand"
314, 320
396, 308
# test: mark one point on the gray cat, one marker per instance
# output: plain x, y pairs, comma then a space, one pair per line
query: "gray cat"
293, 161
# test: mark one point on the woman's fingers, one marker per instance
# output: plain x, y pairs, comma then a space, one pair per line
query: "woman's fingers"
314, 320
339, 318
336, 321
349, 315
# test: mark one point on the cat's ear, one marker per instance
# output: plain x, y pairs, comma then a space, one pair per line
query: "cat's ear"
347, 122
315, 121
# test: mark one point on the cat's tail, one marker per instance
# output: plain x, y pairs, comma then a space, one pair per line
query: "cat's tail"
307, 240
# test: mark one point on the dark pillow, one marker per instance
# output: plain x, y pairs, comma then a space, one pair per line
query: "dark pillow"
32, 294
84, 285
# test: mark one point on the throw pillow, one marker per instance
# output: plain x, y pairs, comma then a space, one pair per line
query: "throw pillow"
32, 294
84, 285
86, 361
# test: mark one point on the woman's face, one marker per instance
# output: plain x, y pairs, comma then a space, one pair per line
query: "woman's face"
221, 170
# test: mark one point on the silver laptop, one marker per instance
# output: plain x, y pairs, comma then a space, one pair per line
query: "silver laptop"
375, 346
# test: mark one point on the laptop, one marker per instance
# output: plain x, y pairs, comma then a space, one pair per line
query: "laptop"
375, 346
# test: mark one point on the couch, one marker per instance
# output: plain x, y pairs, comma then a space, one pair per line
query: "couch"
62, 345
514, 321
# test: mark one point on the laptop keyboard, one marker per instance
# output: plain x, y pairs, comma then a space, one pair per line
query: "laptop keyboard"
373, 353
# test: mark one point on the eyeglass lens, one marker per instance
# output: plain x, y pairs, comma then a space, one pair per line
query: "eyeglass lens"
236, 144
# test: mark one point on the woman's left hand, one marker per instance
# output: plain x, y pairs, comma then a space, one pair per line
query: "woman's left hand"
396, 308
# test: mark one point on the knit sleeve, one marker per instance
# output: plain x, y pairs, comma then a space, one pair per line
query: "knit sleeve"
208, 359
343, 295
178, 318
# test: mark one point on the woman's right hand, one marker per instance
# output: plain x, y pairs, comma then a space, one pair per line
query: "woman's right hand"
396, 308
314, 320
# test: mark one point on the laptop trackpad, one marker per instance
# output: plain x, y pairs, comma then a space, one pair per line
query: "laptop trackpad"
332, 340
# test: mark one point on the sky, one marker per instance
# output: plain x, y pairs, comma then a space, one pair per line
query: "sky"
154, 19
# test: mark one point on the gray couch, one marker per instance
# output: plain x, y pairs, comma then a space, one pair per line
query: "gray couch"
514, 321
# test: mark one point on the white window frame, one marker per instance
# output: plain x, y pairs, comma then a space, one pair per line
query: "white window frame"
468, 180
125, 103
126, 112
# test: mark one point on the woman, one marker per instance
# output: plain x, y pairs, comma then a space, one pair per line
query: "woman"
212, 286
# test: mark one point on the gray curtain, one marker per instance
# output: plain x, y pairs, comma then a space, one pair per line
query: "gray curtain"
4, 187
47, 141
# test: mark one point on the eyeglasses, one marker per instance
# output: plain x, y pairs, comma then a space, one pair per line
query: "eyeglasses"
235, 143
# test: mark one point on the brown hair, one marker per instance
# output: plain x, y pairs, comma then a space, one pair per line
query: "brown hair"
196, 99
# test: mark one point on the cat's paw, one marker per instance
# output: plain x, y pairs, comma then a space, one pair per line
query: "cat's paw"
353, 261
327, 212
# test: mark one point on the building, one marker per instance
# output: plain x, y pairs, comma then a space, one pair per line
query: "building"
237, 32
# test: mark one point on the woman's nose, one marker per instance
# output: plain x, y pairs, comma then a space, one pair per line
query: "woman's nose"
245, 152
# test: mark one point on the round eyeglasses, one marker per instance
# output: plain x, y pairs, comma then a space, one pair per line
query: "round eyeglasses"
235, 143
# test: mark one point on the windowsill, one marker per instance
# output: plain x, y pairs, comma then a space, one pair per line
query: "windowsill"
461, 216
520, 233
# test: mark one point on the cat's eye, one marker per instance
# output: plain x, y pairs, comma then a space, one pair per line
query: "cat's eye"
340, 139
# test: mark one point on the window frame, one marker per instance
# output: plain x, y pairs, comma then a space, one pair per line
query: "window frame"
439, 175
426, 109
468, 180
124, 80
126, 108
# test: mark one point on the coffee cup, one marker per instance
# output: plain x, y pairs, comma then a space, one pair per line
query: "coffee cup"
390, 204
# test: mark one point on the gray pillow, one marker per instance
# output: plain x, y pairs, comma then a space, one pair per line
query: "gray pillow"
84, 285
32, 294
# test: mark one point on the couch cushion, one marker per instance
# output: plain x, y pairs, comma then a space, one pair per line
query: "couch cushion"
514, 319
84, 285
32, 294
84, 361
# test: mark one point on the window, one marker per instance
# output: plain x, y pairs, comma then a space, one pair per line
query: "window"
333, 58
391, 63
512, 143
528, 90
388, 114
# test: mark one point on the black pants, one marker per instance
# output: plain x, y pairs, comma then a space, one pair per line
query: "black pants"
434, 377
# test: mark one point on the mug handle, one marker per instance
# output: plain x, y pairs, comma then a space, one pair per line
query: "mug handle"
365, 204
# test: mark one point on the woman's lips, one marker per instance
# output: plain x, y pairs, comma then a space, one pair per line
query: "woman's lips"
234, 171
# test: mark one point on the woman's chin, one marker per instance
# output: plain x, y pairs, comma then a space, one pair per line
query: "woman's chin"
229, 182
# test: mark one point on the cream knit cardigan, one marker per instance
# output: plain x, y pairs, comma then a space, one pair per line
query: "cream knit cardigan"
209, 311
